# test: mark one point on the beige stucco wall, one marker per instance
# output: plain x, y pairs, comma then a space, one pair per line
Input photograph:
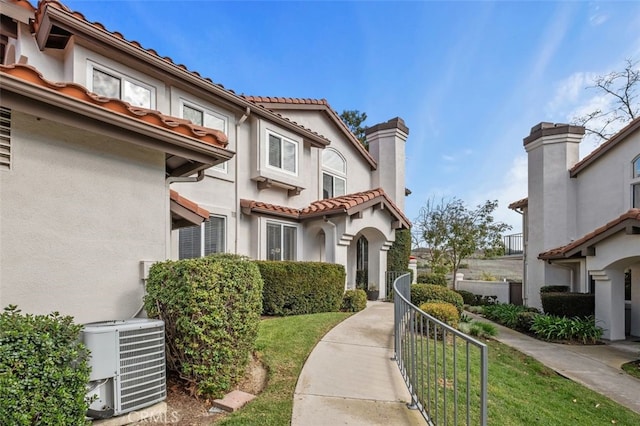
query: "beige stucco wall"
78, 213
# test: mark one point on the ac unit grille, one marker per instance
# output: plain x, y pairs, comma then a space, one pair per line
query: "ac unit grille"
142, 367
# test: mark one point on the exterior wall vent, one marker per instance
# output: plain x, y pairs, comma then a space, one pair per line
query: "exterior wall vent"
5, 139
127, 365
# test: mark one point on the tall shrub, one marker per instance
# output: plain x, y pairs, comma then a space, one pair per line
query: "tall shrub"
43, 370
399, 253
296, 288
211, 308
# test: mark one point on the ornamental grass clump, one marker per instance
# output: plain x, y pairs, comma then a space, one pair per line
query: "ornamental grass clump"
211, 308
581, 329
44, 370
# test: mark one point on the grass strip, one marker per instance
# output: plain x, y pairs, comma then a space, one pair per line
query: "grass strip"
283, 345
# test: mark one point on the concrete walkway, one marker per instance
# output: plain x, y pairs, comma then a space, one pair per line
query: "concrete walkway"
350, 379
595, 366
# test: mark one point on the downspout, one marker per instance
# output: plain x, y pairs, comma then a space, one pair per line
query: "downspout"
244, 117
525, 299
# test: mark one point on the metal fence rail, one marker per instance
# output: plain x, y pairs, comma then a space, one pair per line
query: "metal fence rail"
445, 370
512, 244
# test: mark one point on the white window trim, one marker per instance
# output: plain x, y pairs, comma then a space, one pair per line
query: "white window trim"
222, 167
333, 183
333, 173
635, 180
282, 139
202, 239
633, 168
122, 76
263, 235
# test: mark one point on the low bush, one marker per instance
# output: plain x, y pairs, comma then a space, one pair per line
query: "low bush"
296, 288
480, 300
421, 293
525, 320
43, 370
582, 329
468, 298
505, 314
487, 276
476, 309
443, 311
481, 329
432, 278
354, 300
568, 304
211, 308
554, 289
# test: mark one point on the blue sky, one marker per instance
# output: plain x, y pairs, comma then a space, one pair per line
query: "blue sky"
470, 79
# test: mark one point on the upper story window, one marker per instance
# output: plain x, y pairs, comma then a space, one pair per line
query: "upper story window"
204, 117
112, 84
282, 153
636, 167
197, 241
334, 170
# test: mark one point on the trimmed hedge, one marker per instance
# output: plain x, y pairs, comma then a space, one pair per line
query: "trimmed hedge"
43, 370
211, 308
354, 300
554, 289
296, 288
467, 297
431, 278
443, 311
568, 304
421, 293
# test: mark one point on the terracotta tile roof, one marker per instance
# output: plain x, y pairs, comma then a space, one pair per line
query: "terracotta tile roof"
24, 4
628, 219
345, 204
184, 127
188, 204
315, 137
604, 147
519, 204
323, 105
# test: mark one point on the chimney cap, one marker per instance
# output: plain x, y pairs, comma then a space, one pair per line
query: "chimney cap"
394, 123
548, 129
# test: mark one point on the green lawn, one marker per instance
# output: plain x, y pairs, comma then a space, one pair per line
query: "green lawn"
283, 345
521, 390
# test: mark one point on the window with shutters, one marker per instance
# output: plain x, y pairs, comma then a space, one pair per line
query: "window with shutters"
5, 139
198, 241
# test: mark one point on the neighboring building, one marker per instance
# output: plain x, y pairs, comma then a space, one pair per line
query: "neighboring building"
112, 157
581, 221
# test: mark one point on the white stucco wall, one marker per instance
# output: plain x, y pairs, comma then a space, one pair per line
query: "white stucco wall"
78, 214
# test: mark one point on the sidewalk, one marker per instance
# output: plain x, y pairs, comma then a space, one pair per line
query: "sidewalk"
350, 379
595, 366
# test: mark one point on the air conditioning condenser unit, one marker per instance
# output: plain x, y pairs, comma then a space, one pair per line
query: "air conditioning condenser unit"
127, 365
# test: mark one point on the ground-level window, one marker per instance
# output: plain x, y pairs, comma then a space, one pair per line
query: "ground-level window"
281, 241
197, 241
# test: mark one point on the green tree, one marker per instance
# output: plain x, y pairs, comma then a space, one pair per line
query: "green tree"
354, 120
399, 252
623, 89
451, 232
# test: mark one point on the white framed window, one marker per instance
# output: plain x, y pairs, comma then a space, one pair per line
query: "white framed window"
282, 153
636, 167
635, 189
198, 241
281, 241
202, 116
635, 183
112, 84
334, 181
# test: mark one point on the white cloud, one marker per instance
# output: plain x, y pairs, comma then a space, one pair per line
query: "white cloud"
596, 16
449, 158
569, 91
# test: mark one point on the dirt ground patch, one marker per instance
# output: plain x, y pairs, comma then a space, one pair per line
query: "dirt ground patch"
185, 410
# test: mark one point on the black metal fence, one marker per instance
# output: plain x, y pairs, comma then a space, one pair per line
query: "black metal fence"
512, 244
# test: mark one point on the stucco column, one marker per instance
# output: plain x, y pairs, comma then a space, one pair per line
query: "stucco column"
635, 300
609, 285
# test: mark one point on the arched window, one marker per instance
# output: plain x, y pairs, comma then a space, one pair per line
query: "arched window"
334, 174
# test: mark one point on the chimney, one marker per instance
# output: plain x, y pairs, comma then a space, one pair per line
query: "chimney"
552, 149
387, 146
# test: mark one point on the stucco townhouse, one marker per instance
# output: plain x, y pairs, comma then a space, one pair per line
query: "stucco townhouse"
113, 157
581, 221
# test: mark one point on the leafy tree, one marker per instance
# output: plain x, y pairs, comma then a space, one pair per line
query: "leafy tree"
399, 252
623, 88
354, 120
452, 232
